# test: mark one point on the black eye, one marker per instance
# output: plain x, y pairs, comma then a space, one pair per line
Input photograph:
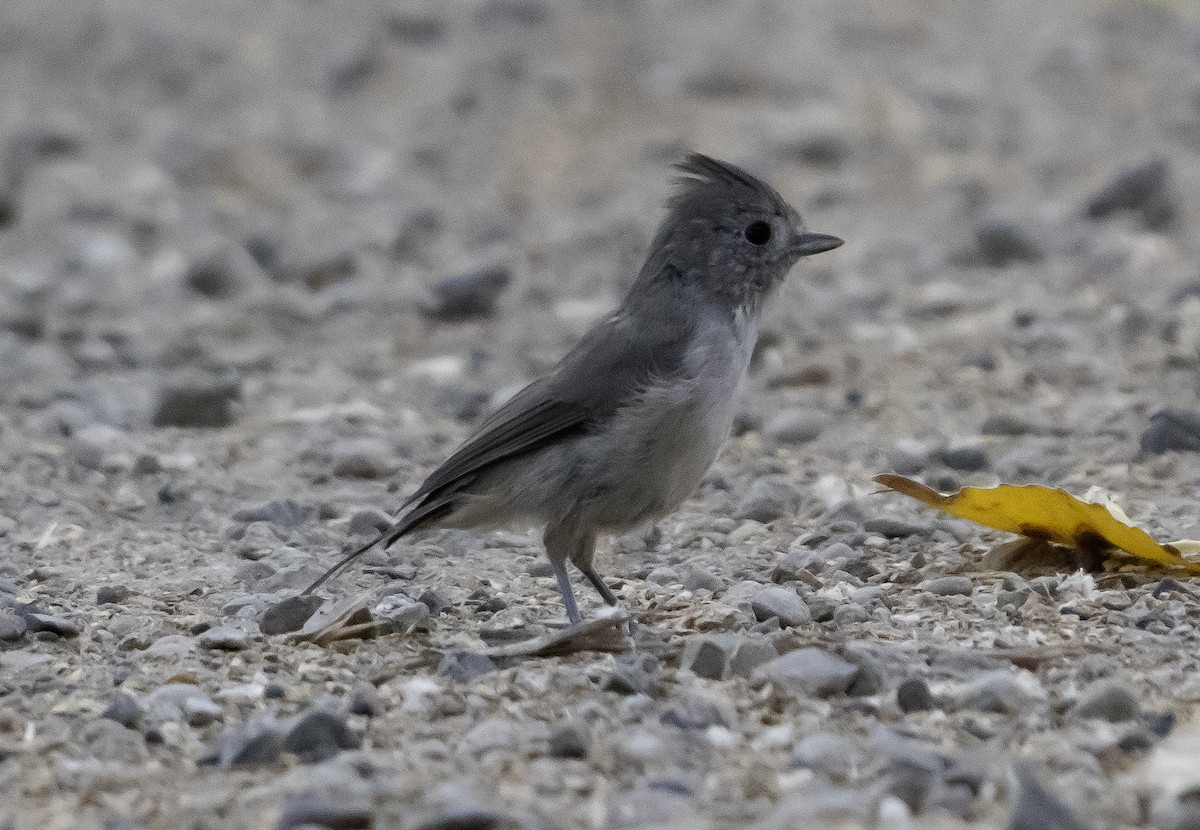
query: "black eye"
758, 233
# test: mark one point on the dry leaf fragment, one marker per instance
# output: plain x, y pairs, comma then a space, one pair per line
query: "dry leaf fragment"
605, 633
1047, 513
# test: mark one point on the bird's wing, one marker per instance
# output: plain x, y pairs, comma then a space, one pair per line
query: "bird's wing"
601, 374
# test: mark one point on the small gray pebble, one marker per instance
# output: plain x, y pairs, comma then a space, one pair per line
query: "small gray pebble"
997, 691
51, 623
253, 747
1008, 424
664, 575
319, 735
850, 613
466, 296
948, 586
913, 695
1109, 700
782, 603
708, 655
570, 740
895, 528
469, 818
106, 594
124, 710
751, 653
364, 459
695, 578
370, 521
223, 638
197, 403
147, 464
12, 627
965, 459
289, 615
1146, 191
768, 500
1013, 599
332, 810
809, 672
1001, 242
199, 710
870, 680
797, 426
1172, 430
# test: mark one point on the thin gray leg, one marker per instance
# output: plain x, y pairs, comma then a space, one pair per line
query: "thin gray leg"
564, 588
598, 584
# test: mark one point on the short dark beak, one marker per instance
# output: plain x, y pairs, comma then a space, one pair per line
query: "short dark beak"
808, 244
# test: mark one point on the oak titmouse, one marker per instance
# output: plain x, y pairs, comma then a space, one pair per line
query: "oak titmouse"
621, 431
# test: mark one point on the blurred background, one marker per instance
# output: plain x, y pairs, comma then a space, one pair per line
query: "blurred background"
237, 186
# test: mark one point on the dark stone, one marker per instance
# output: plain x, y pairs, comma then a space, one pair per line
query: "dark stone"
965, 459
1162, 724
320, 272
259, 748
352, 74
895, 528
1145, 190
263, 250
570, 740
197, 403
434, 602
913, 696
1001, 242
470, 818
467, 296
334, 811
1172, 429
50, 623
318, 736
1004, 423
124, 710
106, 594
362, 706
219, 276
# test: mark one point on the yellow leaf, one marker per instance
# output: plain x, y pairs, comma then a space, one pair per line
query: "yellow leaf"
1045, 513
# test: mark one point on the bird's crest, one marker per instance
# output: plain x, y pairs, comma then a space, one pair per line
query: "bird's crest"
701, 175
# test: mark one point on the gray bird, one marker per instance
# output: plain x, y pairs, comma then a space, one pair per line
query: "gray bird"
622, 430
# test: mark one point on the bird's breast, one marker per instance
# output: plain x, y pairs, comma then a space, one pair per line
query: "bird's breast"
668, 438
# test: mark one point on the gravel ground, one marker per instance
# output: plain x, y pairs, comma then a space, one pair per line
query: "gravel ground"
263, 264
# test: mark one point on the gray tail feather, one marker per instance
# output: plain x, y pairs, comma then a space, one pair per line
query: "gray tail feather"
389, 537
